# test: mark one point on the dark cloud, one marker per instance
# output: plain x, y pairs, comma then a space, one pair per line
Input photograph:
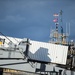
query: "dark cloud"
34, 18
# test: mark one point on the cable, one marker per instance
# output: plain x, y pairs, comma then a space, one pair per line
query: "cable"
16, 40
6, 37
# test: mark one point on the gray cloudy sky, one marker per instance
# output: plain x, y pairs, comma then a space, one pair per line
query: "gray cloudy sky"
34, 18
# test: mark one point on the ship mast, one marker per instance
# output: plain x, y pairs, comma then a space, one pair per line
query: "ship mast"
61, 23
58, 37
54, 33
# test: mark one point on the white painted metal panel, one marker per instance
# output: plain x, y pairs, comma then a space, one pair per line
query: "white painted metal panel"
19, 65
40, 51
11, 54
9, 50
14, 40
48, 52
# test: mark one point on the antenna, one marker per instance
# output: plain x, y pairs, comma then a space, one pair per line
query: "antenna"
66, 29
69, 28
61, 15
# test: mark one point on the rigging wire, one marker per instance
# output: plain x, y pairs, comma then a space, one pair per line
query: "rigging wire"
8, 38
19, 50
5, 36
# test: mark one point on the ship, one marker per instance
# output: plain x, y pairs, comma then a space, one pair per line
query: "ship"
28, 57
